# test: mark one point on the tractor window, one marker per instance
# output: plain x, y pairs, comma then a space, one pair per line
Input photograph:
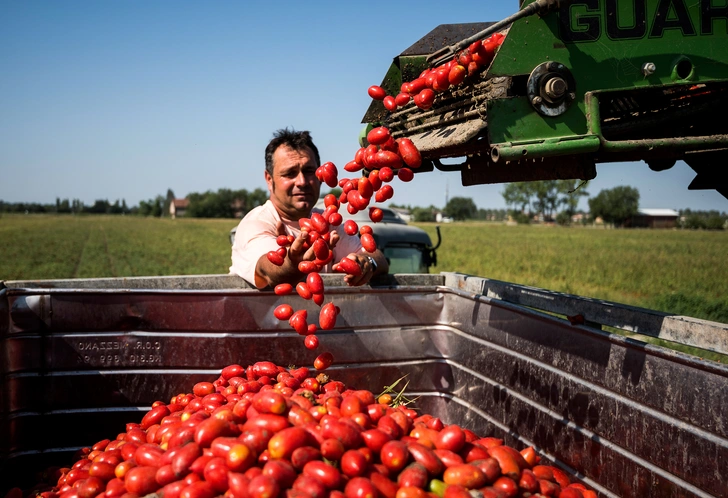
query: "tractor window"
405, 260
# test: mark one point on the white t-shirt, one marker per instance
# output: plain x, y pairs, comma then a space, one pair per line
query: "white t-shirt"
257, 233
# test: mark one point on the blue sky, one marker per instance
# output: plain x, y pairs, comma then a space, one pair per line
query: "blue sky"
125, 99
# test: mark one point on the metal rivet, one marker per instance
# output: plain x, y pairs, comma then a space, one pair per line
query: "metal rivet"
649, 68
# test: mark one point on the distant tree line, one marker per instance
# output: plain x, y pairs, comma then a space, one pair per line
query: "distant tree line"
707, 220
543, 199
65, 206
225, 203
550, 200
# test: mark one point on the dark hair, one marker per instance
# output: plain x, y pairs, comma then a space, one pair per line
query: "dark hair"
293, 139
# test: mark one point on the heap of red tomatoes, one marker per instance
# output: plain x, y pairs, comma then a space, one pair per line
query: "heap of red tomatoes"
266, 431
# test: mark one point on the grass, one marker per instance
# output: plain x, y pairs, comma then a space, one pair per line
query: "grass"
682, 272
47, 246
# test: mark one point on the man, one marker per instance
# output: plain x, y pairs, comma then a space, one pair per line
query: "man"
291, 160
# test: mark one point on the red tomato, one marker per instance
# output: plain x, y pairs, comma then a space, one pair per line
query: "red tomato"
314, 282
311, 342
424, 99
466, 475
283, 312
353, 166
365, 188
275, 258
303, 290
418, 84
506, 485
350, 227
309, 487
405, 174
360, 487
411, 492
390, 104
307, 267
335, 219
368, 243
141, 480
386, 175
378, 135
375, 180
394, 455
327, 316
414, 474
441, 82
298, 321
402, 99
281, 471
283, 289
323, 361
377, 92
457, 74
450, 438
348, 266
384, 193
386, 159
154, 416
301, 456
282, 444
330, 200
263, 486
327, 474
410, 155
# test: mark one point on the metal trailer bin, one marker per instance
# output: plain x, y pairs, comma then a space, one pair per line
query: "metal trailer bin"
82, 357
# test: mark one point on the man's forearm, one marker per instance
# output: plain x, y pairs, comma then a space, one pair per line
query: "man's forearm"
382, 264
268, 274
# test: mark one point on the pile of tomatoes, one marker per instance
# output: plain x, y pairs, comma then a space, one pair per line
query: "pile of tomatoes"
267, 431
382, 157
423, 89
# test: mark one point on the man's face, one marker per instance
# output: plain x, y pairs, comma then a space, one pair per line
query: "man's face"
294, 188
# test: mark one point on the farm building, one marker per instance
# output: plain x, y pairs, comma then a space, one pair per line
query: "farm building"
405, 214
655, 218
178, 207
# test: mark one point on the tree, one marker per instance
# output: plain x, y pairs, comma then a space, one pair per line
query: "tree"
461, 208
101, 206
616, 205
518, 195
571, 191
546, 197
257, 197
423, 214
157, 206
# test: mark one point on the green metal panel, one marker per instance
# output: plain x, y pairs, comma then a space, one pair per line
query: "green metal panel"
515, 120
605, 44
615, 46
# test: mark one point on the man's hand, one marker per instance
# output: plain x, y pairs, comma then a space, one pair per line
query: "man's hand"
367, 268
266, 273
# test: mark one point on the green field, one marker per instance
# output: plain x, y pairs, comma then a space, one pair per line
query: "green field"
682, 272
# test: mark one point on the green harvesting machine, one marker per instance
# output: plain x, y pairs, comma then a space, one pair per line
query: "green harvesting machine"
574, 83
